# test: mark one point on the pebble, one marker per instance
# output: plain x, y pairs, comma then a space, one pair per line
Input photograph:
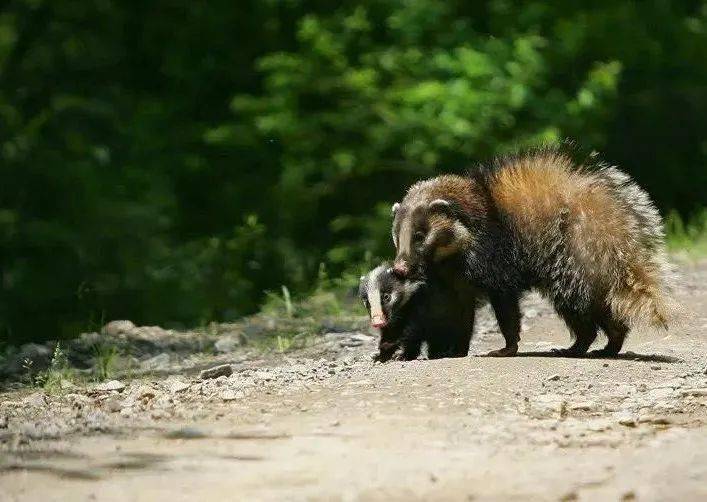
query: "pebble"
178, 386
230, 395
216, 371
350, 343
654, 419
626, 419
3, 422
361, 337
702, 392
110, 386
115, 328
583, 406
554, 378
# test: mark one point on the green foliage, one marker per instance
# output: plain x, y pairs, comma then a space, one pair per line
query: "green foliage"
59, 373
687, 237
168, 162
106, 360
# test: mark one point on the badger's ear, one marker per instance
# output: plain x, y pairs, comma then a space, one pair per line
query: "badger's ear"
394, 208
440, 205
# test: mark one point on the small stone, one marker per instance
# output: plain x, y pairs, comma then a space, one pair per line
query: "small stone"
702, 392
554, 378
655, 367
583, 406
3, 422
361, 337
654, 420
350, 343
111, 385
626, 419
178, 386
115, 328
37, 400
230, 395
216, 371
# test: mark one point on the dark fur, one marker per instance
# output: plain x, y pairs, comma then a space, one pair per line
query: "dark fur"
434, 315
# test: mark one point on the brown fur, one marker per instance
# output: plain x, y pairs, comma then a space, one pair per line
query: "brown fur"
583, 234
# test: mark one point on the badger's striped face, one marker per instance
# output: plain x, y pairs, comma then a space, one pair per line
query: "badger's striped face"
424, 233
384, 295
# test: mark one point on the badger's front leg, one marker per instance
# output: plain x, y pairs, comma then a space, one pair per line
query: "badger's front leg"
386, 351
411, 340
507, 311
411, 349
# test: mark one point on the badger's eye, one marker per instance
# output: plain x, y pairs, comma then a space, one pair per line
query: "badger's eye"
386, 297
419, 236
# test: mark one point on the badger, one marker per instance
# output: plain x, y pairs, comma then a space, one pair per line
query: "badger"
581, 233
424, 309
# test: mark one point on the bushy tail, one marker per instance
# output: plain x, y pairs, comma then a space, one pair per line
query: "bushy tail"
644, 300
642, 294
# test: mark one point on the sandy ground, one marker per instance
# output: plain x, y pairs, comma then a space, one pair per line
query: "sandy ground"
524, 428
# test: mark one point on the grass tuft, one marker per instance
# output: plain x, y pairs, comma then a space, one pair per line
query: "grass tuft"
687, 237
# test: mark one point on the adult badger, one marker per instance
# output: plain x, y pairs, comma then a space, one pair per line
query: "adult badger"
583, 234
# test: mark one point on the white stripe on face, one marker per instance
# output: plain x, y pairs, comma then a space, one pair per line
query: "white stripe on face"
374, 297
405, 236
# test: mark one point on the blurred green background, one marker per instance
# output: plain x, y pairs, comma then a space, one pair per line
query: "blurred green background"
169, 161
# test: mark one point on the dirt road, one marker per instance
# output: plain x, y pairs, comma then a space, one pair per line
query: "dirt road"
525, 428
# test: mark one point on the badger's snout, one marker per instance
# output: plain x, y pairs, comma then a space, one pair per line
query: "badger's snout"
401, 269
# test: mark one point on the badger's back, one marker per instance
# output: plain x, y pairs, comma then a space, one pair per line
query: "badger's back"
588, 233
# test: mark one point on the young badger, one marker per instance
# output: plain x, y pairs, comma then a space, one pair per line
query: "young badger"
586, 236
409, 313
